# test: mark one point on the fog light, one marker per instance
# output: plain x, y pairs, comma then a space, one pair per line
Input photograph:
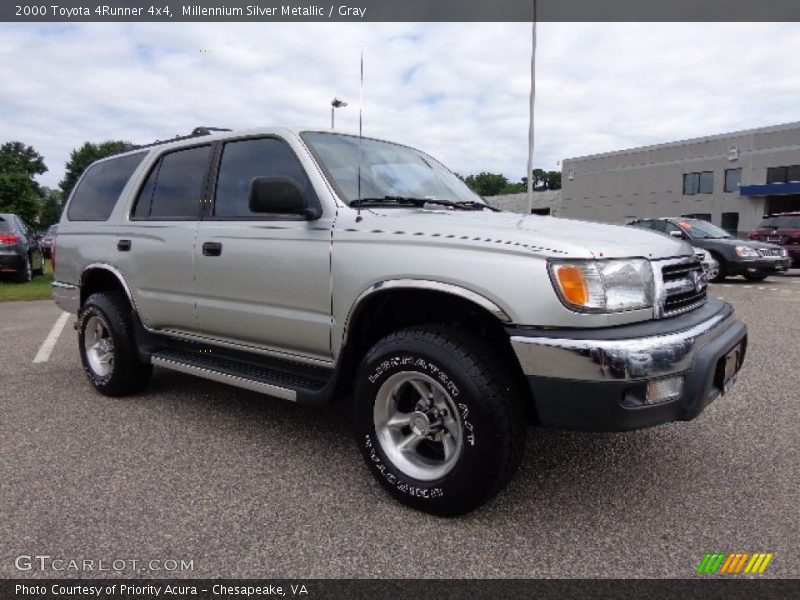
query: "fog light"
664, 390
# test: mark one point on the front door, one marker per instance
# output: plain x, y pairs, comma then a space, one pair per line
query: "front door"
263, 280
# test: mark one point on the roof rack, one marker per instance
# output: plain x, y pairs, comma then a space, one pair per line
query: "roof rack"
196, 132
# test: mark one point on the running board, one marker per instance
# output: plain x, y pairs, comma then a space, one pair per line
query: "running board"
223, 377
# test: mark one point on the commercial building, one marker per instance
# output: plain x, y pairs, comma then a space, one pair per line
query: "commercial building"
731, 180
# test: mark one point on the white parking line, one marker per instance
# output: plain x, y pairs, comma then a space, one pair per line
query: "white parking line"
43, 355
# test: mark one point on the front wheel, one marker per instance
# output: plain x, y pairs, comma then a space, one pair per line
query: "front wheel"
438, 419
107, 346
756, 276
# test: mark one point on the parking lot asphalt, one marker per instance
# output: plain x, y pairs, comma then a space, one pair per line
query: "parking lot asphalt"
249, 486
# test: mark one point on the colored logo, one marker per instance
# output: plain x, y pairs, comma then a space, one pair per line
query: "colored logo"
734, 563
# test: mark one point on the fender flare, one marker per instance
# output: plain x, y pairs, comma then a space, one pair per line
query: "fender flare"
424, 284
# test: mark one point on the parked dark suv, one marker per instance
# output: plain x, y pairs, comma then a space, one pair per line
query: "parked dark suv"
753, 260
783, 229
20, 254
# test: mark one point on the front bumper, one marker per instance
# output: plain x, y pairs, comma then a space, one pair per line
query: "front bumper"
764, 265
597, 379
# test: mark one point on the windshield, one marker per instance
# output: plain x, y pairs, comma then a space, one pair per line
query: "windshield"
781, 222
386, 169
702, 230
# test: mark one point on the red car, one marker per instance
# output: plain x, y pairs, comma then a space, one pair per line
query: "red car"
783, 229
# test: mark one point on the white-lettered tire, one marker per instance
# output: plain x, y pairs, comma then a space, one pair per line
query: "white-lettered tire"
438, 419
107, 346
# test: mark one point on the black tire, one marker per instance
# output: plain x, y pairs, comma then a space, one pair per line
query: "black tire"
128, 374
490, 417
722, 274
758, 276
26, 274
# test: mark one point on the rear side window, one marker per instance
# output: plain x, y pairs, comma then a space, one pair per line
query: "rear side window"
174, 187
5, 226
246, 160
100, 187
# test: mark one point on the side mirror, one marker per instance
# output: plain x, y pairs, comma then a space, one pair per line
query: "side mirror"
678, 234
280, 195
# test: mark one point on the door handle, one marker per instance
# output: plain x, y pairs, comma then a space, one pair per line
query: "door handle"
212, 249
124, 245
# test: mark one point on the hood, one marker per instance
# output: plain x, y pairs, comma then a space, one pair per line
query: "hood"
548, 236
734, 241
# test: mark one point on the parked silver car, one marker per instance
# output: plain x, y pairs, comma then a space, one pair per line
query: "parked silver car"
315, 266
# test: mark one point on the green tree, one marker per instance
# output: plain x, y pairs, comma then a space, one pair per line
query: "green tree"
81, 158
544, 180
487, 184
19, 192
52, 205
18, 195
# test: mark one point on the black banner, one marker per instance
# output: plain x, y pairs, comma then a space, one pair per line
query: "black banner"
732, 588
398, 10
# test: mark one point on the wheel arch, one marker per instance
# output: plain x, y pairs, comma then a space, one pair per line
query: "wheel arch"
392, 305
101, 277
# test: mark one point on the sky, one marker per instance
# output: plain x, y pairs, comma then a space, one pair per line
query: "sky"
459, 91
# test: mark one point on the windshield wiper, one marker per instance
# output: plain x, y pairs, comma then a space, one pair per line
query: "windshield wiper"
420, 202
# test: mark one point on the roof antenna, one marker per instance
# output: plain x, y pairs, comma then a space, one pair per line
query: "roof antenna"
530, 116
360, 130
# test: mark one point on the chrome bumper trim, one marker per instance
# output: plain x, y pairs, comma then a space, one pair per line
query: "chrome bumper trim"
67, 296
628, 359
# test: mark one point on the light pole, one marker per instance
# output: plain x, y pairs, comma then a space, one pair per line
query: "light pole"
336, 103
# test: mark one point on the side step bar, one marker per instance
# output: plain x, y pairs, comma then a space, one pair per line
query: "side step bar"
224, 377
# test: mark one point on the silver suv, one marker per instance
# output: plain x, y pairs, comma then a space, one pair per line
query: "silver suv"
314, 266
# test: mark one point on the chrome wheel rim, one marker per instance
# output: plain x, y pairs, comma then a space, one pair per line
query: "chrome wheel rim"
98, 346
418, 425
713, 270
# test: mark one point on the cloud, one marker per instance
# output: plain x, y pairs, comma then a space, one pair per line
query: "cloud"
458, 91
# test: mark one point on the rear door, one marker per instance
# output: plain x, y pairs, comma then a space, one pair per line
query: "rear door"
155, 248
263, 279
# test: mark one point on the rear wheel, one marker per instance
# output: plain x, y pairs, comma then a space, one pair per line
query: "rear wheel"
721, 272
438, 419
107, 346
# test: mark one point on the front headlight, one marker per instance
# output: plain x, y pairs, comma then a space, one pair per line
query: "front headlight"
746, 252
603, 285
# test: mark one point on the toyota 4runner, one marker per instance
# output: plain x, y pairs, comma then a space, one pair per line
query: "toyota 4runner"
314, 266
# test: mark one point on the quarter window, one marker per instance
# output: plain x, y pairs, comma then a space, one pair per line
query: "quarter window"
100, 187
246, 160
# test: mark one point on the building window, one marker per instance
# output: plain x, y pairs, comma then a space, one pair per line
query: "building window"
730, 222
793, 173
733, 177
777, 175
691, 183
701, 216
698, 183
706, 183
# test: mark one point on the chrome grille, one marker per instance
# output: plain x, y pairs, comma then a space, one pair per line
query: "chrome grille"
770, 251
682, 286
